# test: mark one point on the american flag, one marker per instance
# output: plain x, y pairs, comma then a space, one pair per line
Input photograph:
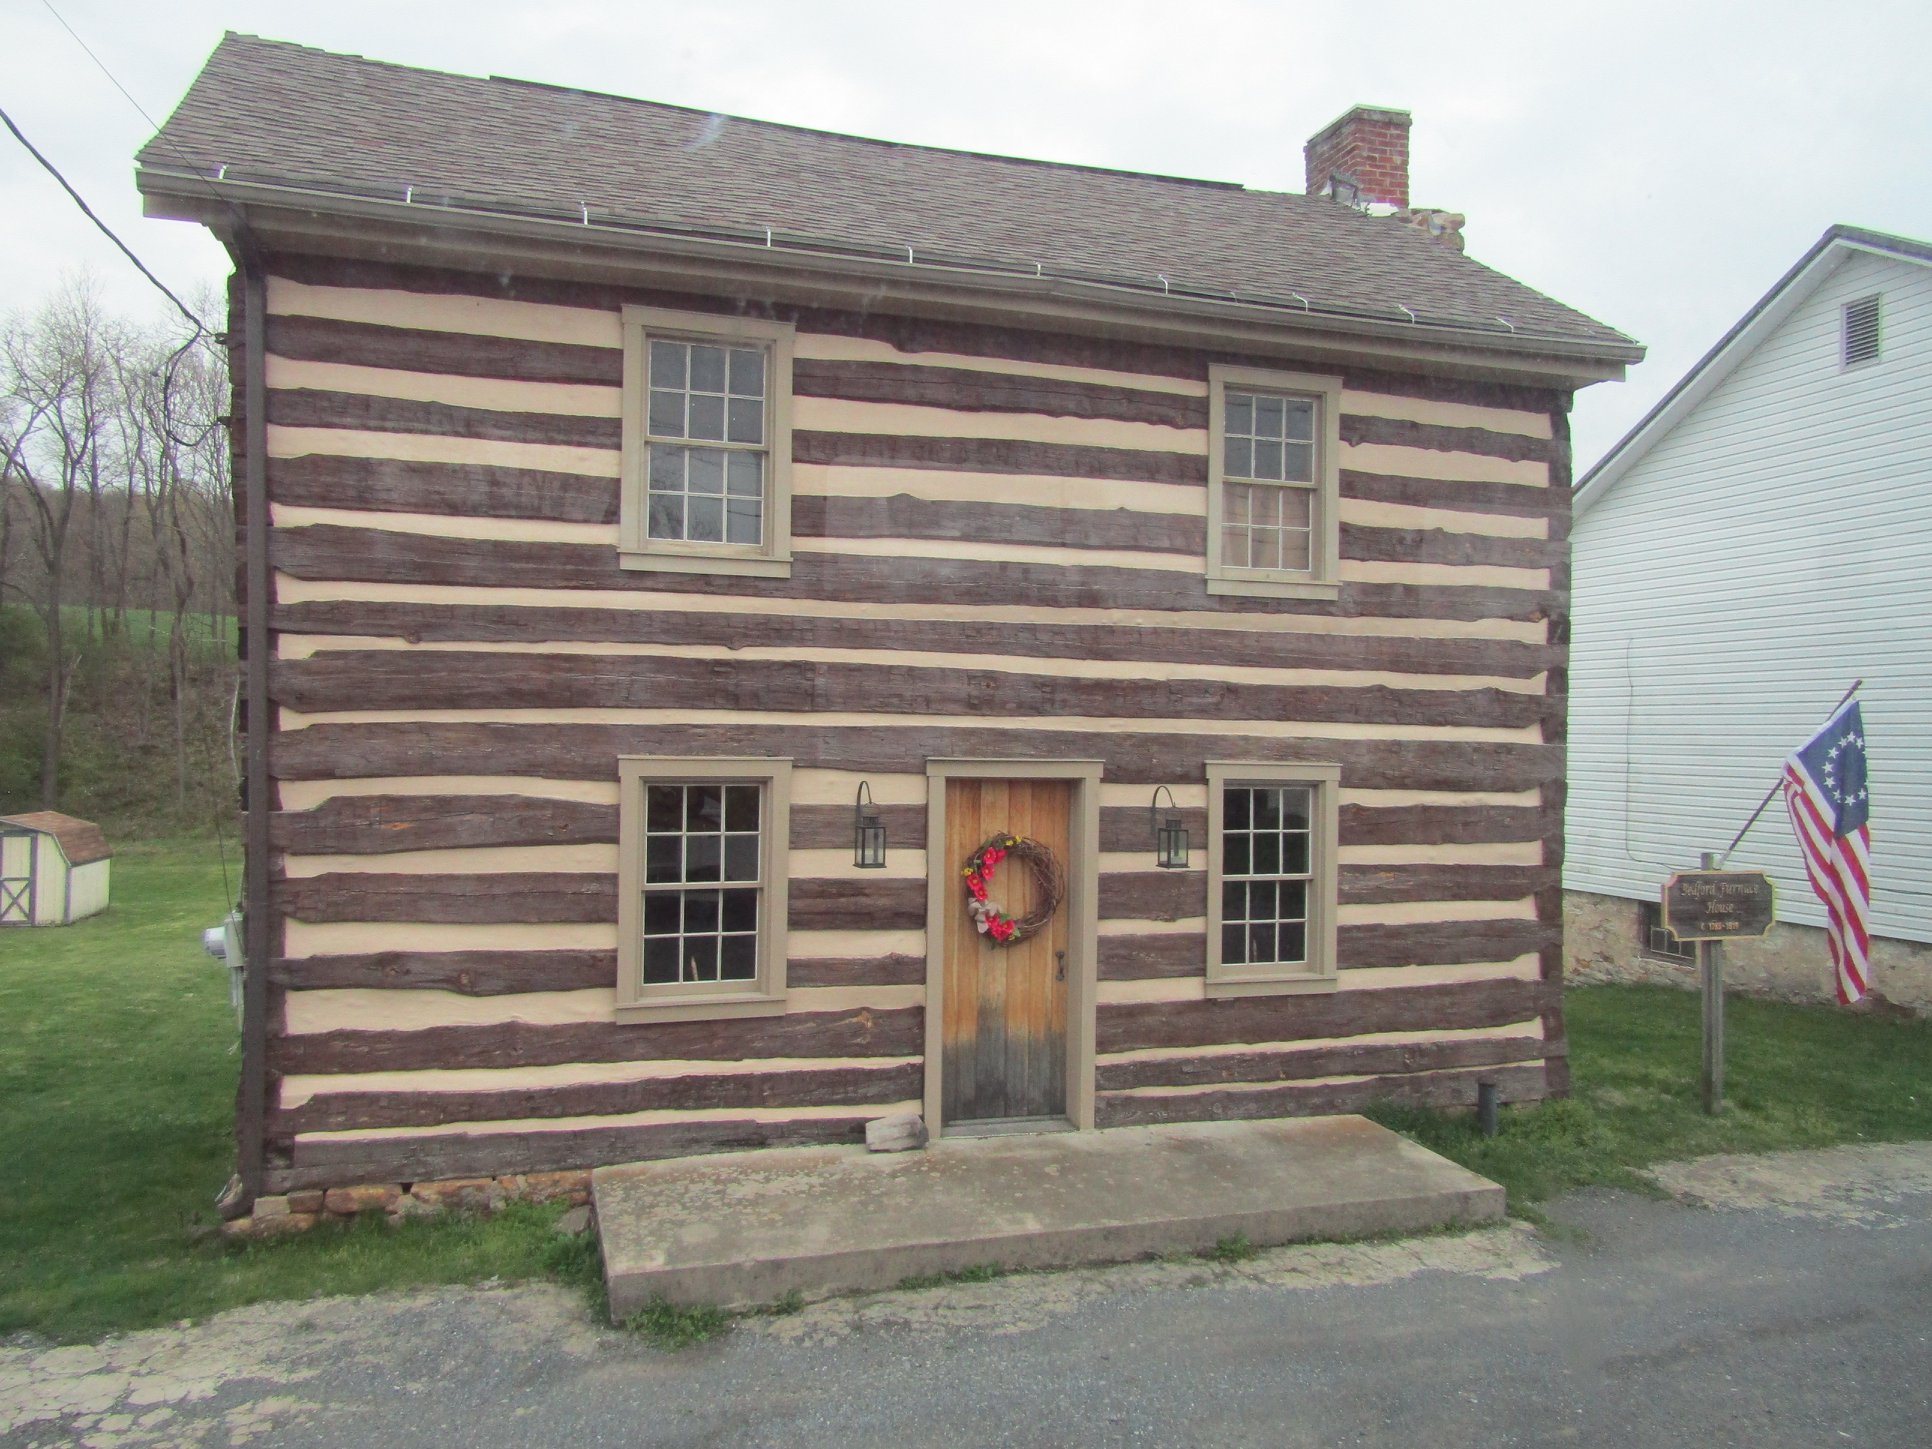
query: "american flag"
1825, 791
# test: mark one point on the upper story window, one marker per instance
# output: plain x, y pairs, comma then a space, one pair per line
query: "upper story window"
1268, 482
1272, 877
1273, 481
707, 443
1860, 337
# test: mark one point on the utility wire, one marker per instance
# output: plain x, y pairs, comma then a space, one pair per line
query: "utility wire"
192, 169
201, 329
106, 230
140, 110
174, 359
97, 61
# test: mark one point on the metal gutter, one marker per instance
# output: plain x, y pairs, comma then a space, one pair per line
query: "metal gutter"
192, 189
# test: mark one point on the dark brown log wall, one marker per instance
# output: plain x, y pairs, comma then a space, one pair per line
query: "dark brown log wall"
358, 578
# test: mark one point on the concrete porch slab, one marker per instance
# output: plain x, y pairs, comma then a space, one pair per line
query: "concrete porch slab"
744, 1228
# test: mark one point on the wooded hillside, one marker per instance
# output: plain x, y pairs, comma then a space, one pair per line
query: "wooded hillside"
117, 568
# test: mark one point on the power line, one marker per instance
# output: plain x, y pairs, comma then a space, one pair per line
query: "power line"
97, 61
201, 329
141, 111
107, 231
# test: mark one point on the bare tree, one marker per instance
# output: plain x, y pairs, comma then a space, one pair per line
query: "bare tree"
56, 397
115, 497
182, 477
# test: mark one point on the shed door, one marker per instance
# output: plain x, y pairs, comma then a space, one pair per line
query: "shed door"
16, 878
1005, 1027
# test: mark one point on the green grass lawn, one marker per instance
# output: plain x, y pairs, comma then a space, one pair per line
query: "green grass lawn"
117, 1080
117, 1085
1795, 1076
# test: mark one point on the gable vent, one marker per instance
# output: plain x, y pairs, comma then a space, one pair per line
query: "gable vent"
1861, 331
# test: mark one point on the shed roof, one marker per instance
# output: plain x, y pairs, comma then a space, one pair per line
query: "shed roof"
81, 841
340, 129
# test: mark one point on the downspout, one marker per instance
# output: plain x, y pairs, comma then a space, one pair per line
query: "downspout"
251, 1105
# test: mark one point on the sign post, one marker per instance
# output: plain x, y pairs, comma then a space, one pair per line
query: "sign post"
1710, 962
1710, 906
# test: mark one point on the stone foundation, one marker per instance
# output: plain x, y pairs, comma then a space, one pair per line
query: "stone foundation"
297, 1212
1792, 963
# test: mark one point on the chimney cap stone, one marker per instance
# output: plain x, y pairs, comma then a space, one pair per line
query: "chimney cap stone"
1388, 114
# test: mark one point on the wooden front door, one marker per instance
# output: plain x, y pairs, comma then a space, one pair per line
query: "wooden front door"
1005, 1031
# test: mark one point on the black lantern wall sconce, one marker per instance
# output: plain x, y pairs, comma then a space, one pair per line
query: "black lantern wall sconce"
868, 832
1170, 836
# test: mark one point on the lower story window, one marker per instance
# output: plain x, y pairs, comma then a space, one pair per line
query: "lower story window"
703, 876
1272, 885
1266, 832
1656, 940
701, 911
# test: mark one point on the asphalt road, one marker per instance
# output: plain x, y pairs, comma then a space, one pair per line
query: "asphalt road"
1794, 1307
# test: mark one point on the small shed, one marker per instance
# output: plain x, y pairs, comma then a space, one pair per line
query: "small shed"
53, 869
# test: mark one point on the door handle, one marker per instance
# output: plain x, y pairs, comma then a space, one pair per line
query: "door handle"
1059, 965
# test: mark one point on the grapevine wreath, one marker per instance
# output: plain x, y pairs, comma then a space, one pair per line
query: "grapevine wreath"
1049, 886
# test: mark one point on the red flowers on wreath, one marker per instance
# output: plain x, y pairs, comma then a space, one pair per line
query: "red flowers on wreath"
989, 917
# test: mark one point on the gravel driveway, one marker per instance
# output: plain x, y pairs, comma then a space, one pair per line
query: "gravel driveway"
1776, 1300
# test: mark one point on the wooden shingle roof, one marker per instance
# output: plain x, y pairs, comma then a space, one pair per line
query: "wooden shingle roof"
81, 841
320, 125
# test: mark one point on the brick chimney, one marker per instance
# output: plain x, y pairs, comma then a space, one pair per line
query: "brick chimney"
1362, 158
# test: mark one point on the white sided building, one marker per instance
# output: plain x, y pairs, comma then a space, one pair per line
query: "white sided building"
1759, 541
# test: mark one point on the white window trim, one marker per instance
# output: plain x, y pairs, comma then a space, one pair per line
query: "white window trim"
636, 549
1324, 886
637, 1002
1321, 581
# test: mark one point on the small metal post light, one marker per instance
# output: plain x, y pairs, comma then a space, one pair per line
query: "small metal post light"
1170, 836
868, 832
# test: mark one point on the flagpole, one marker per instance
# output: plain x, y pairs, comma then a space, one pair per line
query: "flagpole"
1780, 785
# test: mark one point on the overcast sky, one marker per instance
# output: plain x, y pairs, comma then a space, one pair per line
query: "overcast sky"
1658, 166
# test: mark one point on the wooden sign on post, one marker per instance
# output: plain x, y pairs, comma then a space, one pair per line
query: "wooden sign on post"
1708, 906
1719, 905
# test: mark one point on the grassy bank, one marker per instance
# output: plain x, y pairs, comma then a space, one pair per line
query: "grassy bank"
119, 758
1796, 1076
117, 1083
117, 1079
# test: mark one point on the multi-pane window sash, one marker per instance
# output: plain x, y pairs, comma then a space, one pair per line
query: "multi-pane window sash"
706, 436
1269, 482
703, 882
1267, 871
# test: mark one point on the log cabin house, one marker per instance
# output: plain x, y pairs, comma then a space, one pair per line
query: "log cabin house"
646, 511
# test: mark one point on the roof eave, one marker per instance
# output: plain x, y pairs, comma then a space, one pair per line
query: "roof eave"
1765, 316
218, 203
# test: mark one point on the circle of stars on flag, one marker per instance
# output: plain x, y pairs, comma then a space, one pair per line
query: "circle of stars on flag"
1851, 772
